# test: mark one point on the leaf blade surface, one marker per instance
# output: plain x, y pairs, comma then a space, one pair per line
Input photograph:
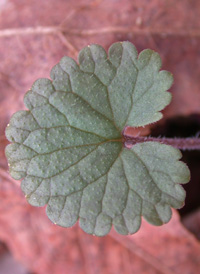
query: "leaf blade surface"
68, 147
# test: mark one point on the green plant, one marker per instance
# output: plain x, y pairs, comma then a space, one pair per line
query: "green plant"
72, 152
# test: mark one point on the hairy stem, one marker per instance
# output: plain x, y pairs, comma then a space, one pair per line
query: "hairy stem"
181, 143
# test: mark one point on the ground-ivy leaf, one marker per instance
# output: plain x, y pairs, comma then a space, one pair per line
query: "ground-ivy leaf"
68, 146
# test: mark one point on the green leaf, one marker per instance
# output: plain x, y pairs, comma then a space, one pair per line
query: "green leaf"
68, 146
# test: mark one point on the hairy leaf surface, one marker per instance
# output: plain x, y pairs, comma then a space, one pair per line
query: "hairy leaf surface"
68, 146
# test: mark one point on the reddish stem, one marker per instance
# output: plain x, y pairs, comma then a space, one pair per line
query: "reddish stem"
181, 143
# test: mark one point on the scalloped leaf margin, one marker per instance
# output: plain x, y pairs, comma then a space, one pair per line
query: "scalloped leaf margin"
68, 148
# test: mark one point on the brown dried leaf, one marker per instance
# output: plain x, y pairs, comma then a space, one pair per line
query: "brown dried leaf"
45, 248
